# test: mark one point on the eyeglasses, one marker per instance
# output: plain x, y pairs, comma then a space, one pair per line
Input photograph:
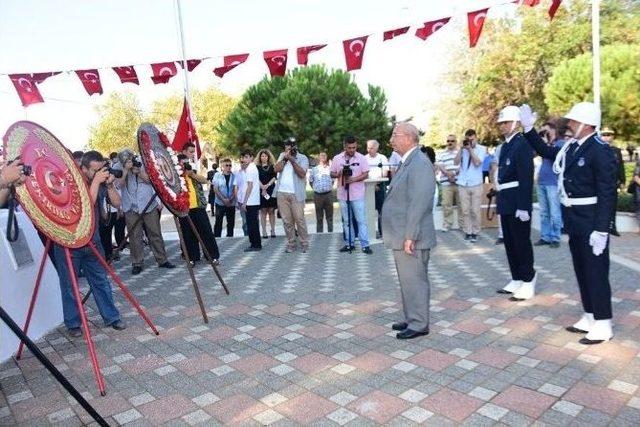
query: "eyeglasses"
397, 134
451, 140
226, 166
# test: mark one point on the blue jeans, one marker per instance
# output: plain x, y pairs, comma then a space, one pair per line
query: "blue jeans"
84, 258
550, 213
358, 211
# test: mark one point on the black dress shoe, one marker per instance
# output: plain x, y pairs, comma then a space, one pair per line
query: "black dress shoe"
347, 248
575, 330
587, 341
167, 264
136, 270
408, 334
252, 249
502, 291
541, 243
399, 326
499, 241
119, 325
367, 250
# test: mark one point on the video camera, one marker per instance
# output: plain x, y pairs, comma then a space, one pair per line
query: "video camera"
346, 168
136, 162
117, 173
466, 142
187, 166
27, 170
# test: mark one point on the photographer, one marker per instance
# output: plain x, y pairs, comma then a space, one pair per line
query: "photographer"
197, 208
137, 191
447, 174
101, 185
11, 174
469, 182
351, 169
290, 190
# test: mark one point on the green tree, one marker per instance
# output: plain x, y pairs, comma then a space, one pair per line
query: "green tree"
318, 107
516, 56
120, 118
210, 108
572, 81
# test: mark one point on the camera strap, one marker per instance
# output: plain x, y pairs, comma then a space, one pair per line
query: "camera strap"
13, 231
490, 215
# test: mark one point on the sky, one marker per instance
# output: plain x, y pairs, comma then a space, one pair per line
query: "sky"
54, 35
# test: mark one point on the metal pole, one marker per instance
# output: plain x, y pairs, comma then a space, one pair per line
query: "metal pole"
185, 72
595, 42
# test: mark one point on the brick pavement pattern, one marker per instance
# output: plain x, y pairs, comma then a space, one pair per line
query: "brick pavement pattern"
306, 339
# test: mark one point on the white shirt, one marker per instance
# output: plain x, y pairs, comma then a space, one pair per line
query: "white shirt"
239, 183
471, 175
394, 160
286, 184
406, 155
251, 175
375, 171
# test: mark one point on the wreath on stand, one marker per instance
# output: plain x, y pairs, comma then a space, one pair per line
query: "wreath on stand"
161, 164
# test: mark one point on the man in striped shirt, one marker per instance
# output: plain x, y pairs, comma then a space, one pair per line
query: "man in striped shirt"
447, 173
322, 184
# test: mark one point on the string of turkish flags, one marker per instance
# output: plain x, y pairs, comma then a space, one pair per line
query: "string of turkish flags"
26, 85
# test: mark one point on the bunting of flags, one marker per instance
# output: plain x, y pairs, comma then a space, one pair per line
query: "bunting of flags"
26, 85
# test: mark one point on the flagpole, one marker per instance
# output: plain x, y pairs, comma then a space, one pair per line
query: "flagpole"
185, 71
595, 42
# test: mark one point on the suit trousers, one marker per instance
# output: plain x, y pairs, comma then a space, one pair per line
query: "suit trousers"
470, 207
228, 212
592, 273
151, 223
201, 222
324, 209
253, 226
517, 244
414, 287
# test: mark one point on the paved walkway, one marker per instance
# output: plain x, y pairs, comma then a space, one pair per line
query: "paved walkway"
305, 339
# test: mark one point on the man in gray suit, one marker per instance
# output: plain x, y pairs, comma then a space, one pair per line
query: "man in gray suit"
407, 227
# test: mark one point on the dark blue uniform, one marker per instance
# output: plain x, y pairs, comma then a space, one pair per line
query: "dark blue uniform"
515, 165
590, 171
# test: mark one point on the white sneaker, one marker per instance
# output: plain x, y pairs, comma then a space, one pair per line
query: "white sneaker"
526, 291
600, 331
583, 325
511, 287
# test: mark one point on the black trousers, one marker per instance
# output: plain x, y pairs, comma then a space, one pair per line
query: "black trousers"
517, 244
228, 212
253, 226
113, 222
379, 200
592, 273
203, 226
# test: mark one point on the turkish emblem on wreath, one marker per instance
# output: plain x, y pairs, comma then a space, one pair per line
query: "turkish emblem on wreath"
161, 164
55, 195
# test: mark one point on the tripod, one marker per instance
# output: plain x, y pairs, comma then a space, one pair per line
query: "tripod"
349, 237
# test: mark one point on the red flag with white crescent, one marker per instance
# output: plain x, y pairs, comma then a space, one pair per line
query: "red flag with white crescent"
163, 72
431, 27
303, 52
26, 88
127, 74
191, 64
186, 131
354, 52
90, 80
276, 61
388, 35
555, 4
476, 22
41, 77
530, 3
230, 62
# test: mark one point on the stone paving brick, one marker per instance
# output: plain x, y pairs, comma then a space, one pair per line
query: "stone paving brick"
378, 406
524, 401
441, 403
306, 408
606, 400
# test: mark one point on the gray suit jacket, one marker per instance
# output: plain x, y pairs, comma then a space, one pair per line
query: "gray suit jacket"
407, 213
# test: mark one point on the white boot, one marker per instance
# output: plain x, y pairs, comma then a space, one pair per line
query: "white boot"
583, 325
600, 331
526, 291
511, 287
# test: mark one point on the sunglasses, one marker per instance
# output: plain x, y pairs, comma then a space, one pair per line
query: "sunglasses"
451, 140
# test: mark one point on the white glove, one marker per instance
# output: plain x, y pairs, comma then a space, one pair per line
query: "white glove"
522, 215
598, 241
527, 117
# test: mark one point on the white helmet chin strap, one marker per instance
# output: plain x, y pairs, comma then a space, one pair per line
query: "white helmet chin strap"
560, 162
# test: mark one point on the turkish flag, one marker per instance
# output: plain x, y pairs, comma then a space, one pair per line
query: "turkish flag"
530, 3
40, 77
388, 35
163, 72
431, 27
276, 61
555, 4
476, 21
186, 131
191, 64
127, 74
303, 52
230, 62
354, 52
90, 80
26, 88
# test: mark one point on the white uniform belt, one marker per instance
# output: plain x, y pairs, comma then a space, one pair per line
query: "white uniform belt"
506, 185
579, 201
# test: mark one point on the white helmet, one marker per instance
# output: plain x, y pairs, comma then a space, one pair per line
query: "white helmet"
510, 113
585, 112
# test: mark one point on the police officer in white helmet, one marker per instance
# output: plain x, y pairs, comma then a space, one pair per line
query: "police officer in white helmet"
587, 187
514, 200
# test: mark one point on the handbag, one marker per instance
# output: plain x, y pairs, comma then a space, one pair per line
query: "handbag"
631, 189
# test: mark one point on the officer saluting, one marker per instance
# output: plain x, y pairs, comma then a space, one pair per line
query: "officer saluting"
515, 190
587, 187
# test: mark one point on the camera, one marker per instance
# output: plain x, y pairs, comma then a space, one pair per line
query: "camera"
543, 134
136, 163
27, 170
346, 170
115, 172
465, 142
187, 166
492, 193
294, 151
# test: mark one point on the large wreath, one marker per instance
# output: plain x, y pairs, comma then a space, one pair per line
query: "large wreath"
161, 164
